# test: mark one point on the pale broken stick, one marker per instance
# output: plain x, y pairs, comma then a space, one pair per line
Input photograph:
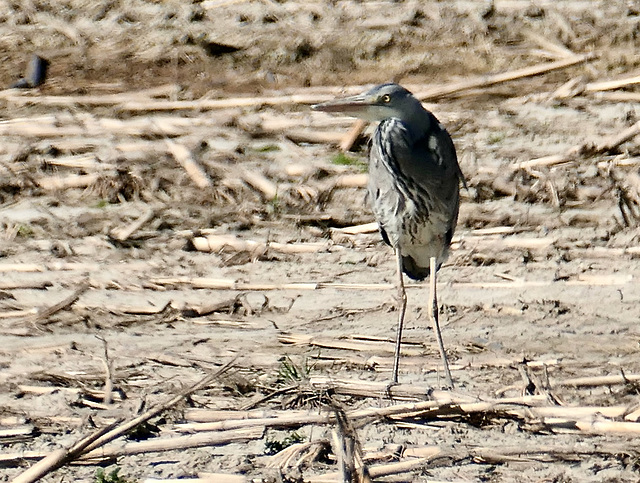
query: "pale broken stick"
40, 319
258, 181
446, 403
29, 97
183, 156
216, 243
420, 457
589, 148
60, 457
123, 233
112, 432
123, 429
212, 420
477, 82
71, 181
209, 438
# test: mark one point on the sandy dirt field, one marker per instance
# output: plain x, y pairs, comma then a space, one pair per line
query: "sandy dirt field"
173, 213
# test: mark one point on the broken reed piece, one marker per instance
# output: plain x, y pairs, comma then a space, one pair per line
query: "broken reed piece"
267, 188
41, 318
493, 79
227, 103
588, 148
183, 156
123, 233
54, 183
612, 84
216, 243
352, 136
58, 458
24, 97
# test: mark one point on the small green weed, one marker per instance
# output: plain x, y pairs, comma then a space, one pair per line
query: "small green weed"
289, 371
24, 231
342, 159
267, 148
275, 205
112, 477
272, 446
496, 137
102, 203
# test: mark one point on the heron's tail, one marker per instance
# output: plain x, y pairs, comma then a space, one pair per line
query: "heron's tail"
415, 271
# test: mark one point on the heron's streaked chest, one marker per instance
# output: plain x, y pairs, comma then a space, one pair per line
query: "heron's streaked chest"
406, 211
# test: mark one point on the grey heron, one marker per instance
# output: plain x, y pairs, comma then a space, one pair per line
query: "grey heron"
414, 188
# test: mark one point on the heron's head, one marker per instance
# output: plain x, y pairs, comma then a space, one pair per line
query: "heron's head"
381, 102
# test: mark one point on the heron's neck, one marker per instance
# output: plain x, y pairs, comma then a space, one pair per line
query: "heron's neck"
418, 123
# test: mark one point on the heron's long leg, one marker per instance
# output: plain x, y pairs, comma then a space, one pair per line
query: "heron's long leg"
402, 307
433, 314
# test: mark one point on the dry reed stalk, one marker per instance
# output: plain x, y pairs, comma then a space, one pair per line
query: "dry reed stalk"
282, 422
352, 136
552, 45
217, 438
60, 457
220, 478
358, 229
154, 411
267, 188
618, 96
231, 102
123, 233
63, 125
589, 426
16, 433
201, 415
585, 412
313, 136
216, 243
41, 318
351, 181
88, 162
28, 97
421, 456
443, 403
70, 181
612, 84
588, 148
183, 156
348, 450
490, 80
376, 471
345, 344
10, 314
298, 455
411, 392
595, 381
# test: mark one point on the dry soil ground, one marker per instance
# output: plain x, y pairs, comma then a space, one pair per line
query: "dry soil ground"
541, 287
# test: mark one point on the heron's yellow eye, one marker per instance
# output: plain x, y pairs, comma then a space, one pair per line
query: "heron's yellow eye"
386, 98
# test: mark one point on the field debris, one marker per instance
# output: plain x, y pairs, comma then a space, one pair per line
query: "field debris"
192, 285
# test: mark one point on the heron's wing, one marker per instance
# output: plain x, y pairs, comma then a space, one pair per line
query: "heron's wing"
429, 162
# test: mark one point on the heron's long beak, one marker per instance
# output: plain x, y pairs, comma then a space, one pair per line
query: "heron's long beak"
354, 105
